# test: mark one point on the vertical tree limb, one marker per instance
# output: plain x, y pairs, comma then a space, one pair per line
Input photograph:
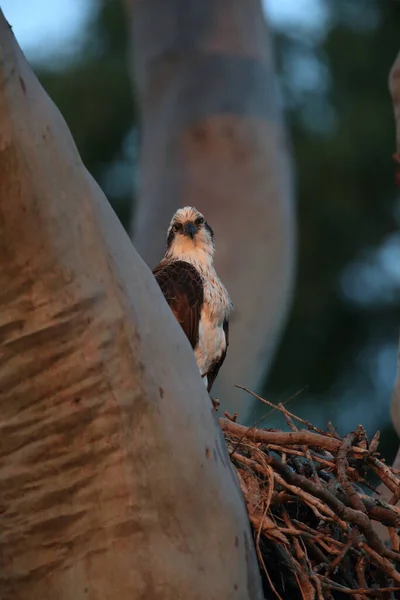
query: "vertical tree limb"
114, 480
212, 136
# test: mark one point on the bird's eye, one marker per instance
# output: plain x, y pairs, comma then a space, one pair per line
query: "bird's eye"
199, 221
177, 227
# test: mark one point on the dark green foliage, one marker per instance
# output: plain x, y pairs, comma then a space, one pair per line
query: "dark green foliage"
346, 205
93, 92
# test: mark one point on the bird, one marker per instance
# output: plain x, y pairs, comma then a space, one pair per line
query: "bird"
194, 292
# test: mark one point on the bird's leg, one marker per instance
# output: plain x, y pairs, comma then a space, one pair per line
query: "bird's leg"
215, 401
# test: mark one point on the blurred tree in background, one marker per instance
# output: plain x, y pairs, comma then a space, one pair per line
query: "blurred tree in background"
342, 338
341, 341
92, 89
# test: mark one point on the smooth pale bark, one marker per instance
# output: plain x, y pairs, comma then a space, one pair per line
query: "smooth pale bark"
114, 479
212, 136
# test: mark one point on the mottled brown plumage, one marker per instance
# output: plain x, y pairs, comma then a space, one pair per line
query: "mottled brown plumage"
182, 287
194, 292
219, 361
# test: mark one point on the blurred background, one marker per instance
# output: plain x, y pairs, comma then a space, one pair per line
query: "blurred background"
333, 57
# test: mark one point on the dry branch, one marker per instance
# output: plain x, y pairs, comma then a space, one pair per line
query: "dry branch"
309, 503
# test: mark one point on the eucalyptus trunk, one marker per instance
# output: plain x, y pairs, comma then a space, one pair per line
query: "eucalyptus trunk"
115, 482
212, 136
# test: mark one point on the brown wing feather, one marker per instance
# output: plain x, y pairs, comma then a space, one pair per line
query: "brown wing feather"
217, 364
182, 287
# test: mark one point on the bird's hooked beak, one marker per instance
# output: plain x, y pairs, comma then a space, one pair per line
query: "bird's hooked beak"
189, 229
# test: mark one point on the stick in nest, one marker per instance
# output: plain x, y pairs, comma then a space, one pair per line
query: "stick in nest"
310, 510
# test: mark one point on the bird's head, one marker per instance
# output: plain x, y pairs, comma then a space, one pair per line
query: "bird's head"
189, 236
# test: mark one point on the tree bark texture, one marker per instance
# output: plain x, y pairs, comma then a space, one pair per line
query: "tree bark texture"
212, 136
114, 479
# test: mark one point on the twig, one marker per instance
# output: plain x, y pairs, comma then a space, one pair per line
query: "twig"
385, 473
342, 466
373, 446
304, 492
281, 409
365, 591
384, 564
284, 438
339, 557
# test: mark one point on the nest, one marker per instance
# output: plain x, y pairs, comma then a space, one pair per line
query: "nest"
312, 507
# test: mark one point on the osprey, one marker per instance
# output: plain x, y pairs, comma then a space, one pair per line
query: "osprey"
193, 290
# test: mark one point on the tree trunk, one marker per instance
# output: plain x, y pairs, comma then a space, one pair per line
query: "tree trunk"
212, 136
115, 481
